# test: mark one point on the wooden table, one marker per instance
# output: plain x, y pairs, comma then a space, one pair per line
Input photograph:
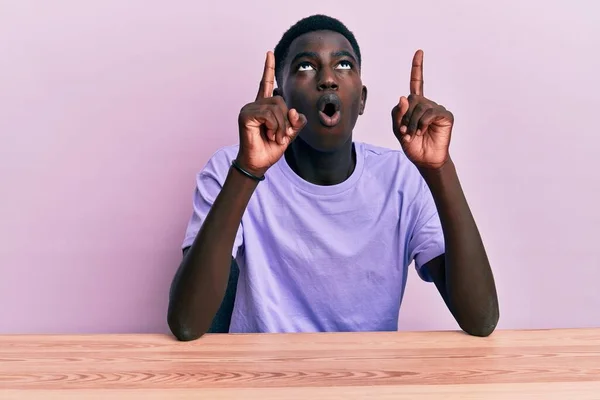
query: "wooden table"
551, 364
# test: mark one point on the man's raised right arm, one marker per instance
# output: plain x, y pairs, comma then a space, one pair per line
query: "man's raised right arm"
199, 285
266, 128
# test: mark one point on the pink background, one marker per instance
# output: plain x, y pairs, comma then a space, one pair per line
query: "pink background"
109, 108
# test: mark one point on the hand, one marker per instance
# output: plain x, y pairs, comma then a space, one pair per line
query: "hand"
422, 127
266, 126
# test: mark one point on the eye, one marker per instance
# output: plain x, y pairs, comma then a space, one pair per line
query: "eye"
305, 66
344, 65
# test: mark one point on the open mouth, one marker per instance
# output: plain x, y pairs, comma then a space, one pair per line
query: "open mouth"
329, 109
329, 106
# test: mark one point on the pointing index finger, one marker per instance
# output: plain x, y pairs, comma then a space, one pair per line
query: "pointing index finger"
267, 83
416, 74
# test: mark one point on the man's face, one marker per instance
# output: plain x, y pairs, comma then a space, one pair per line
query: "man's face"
321, 79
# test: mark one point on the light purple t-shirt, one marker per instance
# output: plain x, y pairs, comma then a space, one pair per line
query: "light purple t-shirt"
326, 258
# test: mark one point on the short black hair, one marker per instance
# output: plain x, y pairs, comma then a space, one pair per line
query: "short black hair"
317, 22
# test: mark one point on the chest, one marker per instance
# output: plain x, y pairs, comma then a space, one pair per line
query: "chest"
356, 227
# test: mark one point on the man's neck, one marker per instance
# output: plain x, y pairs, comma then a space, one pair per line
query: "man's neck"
318, 167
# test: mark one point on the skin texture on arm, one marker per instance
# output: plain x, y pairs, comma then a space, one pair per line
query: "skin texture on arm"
221, 322
463, 275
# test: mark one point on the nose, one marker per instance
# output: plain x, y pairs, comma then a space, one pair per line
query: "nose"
327, 80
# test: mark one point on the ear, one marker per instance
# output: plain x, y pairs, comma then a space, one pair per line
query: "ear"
363, 100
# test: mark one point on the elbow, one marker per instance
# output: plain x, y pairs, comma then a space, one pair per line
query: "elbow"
482, 330
482, 327
184, 334
182, 331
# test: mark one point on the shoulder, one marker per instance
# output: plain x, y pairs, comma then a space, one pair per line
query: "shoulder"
392, 172
378, 151
222, 157
388, 163
218, 164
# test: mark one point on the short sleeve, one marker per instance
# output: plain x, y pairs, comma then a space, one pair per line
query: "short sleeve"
427, 239
209, 182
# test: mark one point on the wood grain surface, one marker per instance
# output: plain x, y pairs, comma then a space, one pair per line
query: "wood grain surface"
549, 364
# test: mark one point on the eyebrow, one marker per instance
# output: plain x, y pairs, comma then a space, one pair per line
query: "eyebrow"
312, 54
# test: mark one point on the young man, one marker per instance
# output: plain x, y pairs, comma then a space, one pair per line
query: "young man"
324, 228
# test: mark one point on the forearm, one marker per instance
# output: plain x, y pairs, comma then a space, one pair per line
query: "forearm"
201, 280
470, 287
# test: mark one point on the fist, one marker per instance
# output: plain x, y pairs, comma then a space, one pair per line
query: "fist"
266, 126
422, 126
